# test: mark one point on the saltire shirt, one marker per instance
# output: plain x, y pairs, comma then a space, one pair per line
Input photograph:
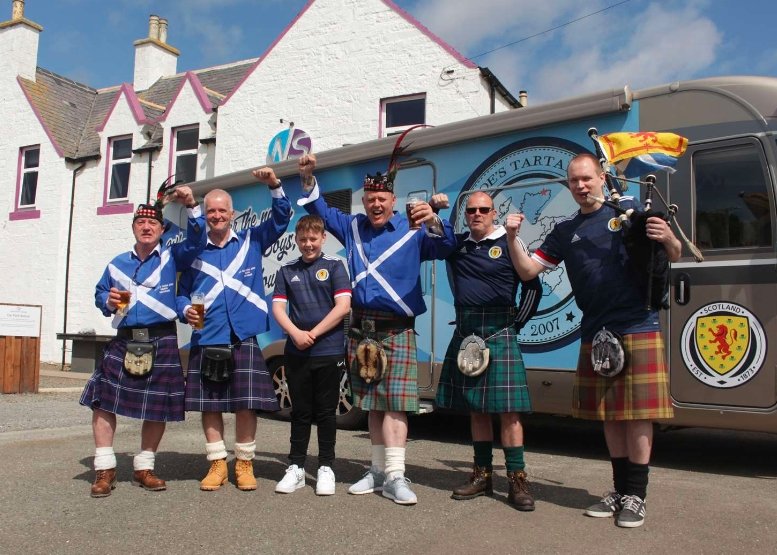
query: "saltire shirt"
384, 263
310, 289
151, 281
482, 274
230, 277
605, 287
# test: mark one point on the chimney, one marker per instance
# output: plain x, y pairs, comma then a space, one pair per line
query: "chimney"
154, 58
523, 98
19, 44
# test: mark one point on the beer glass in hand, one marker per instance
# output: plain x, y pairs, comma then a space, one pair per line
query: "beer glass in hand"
198, 304
123, 304
412, 199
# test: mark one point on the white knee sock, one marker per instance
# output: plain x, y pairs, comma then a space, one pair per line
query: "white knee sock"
245, 451
216, 450
395, 461
104, 458
144, 460
379, 457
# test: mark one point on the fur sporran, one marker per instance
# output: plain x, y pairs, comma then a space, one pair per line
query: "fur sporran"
608, 356
371, 359
139, 358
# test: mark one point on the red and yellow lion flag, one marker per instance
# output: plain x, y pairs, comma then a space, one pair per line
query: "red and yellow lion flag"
634, 154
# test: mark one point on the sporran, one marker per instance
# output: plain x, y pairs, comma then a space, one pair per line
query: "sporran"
217, 363
473, 356
139, 358
372, 360
608, 356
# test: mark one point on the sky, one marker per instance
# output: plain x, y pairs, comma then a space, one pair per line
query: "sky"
554, 49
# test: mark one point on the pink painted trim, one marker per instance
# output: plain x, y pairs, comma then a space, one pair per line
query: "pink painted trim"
107, 184
466, 62
171, 151
267, 52
54, 143
24, 215
199, 93
133, 102
111, 209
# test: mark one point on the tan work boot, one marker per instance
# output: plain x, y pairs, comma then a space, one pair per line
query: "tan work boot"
519, 494
148, 480
479, 483
217, 476
244, 475
104, 482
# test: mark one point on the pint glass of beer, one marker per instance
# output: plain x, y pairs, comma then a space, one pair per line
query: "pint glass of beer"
123, 304
198, 304
412, 199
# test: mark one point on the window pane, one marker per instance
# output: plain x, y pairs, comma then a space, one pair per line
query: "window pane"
186, 139
186, 168
31, 158
119, 181
122, 148
732, 202
405, 112
29, 188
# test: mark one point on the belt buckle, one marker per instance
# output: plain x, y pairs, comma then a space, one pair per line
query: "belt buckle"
141, 334
368, 325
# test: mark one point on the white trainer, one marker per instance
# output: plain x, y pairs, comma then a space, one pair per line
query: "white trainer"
292, 481
325, 483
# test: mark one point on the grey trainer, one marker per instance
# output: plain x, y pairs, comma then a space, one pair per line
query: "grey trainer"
371, 481
398, 490
608, 506
633, 513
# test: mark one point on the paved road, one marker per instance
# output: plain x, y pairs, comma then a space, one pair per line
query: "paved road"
711, 492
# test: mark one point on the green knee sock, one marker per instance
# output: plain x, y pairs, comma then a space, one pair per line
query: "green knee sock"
514, 458
483, 455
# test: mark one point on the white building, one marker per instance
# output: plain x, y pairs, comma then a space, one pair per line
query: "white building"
76, 161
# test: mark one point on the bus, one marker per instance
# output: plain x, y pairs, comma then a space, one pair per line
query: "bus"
722, 310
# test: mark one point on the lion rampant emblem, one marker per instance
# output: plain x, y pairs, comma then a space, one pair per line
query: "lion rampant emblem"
724, 339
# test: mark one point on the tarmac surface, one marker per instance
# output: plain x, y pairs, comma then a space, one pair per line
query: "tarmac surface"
710, 491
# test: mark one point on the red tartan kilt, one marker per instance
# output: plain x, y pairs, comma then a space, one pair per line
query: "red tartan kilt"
639, 392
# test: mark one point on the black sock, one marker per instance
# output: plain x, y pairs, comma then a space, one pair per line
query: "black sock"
638, 480
620, 473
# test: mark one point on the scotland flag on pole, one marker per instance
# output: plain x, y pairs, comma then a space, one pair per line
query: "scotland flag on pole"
635, 154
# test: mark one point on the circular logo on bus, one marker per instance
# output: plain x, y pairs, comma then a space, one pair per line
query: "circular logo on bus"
723, 345
526, 176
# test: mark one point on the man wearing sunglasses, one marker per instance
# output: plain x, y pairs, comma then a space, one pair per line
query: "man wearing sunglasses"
484, 281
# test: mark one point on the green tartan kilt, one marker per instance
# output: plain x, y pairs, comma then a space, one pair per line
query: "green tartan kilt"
502, 387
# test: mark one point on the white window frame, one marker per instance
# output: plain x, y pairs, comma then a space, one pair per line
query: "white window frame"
24, 172
115, 162
385, 102
177, 153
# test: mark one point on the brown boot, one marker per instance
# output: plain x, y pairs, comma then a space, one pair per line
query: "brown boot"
479, 483
217, 476
519, 494
148, 480
244, 475
104, 482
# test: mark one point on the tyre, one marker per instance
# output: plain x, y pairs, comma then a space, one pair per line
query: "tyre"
349, 417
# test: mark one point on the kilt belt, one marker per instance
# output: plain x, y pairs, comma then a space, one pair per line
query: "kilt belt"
154, 332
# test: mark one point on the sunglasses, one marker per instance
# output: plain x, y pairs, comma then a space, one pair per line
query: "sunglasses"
481, 209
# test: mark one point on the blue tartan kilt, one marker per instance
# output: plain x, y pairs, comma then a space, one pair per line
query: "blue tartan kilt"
249, 387
502, 387
157, 396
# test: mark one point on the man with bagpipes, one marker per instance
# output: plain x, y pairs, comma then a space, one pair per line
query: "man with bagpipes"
140, 375
621, 375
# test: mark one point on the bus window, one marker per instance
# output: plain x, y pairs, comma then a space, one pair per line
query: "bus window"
732, 200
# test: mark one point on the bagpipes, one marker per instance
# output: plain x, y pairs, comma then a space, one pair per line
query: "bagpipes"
647, 258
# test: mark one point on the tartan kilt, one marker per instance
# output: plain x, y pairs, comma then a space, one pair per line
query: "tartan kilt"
249, 387
502, 387
157, 396
398, 390
639, 392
